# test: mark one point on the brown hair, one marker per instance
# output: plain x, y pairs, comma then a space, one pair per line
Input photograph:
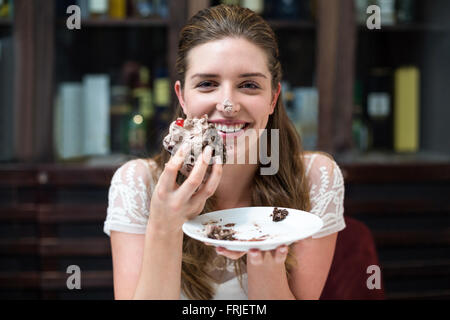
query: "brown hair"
289, 186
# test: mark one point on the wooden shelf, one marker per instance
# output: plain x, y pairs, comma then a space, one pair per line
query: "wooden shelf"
6, 22
413, 27
123, 23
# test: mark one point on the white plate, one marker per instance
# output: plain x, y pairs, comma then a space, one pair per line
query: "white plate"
255, 223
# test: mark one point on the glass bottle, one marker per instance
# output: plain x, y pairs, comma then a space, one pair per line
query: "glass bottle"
137, 131
98, 8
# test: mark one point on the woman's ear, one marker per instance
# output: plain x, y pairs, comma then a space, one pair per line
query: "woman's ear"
179, 92
275, 99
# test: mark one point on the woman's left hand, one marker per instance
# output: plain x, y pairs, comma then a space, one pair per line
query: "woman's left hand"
275, 257
257, 257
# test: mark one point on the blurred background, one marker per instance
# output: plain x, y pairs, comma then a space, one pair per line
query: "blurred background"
75, 104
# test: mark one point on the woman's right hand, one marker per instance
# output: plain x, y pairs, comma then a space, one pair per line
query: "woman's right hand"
172, 205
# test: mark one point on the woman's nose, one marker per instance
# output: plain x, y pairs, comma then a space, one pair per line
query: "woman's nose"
226, 103
228, 107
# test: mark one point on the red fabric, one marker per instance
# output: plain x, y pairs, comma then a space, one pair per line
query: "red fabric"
355, 251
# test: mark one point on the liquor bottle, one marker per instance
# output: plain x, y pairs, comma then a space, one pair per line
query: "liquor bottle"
406, 10
143, 8
407, 109
161, 93
120, 113
256, 6
118, 9
361, 11
161, 8
287, 9
4, 9
361, 138
137, 131
143, 93
388, 16
379, 108
98, 8
84, 7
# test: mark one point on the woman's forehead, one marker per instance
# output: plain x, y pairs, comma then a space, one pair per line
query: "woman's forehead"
230, 55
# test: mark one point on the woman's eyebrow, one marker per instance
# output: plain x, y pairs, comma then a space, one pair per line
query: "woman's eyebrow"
244, 75
249, 75
204, 75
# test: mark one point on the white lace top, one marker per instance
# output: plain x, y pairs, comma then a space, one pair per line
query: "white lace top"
132, 186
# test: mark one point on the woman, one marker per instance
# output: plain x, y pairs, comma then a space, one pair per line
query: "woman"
228, 69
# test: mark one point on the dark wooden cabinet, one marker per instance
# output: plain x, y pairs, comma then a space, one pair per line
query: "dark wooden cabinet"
51, 217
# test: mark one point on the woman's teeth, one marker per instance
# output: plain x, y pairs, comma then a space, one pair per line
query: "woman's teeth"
229, 128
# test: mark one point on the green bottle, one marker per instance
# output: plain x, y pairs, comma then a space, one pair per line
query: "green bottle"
137, 131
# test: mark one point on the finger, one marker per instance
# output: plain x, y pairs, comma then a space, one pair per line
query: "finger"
195, 179
281, 254
255, 257
233, 255
167, 180
207, 189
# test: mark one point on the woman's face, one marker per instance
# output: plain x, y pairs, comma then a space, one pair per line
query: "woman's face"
232, 69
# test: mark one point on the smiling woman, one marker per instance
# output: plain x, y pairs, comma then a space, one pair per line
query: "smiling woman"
228, 69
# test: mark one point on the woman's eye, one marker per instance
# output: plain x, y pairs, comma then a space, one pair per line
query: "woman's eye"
250, 85
206, 84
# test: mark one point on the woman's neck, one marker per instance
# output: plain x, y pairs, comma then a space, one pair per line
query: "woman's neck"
234, 188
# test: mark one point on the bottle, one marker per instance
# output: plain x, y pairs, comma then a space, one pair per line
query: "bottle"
161, 93
406, 10
407, 109
287, 9
143, 93
118, 9
4, 9
120, 114
161, 8
379, 108
388, 16
137, 131
143, 8
256, 6
98, 8
360, 131
361, 11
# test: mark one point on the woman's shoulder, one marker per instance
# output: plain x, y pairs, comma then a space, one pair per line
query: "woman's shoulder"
137, 172
318, 161
322, 171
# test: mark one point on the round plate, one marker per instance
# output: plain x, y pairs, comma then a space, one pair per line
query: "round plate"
254, 227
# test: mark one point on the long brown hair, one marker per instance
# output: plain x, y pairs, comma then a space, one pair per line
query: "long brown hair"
289, 186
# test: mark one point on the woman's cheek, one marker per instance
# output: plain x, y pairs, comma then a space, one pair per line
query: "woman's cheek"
201, 104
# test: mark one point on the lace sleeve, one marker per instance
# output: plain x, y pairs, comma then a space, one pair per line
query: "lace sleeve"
129, 198
326, 193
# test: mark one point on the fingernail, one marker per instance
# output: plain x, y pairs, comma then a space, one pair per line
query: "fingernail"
253, 253
283, 250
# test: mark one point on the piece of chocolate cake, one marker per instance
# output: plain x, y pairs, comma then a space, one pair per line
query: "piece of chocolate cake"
279, 214
198, 133
218, 233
